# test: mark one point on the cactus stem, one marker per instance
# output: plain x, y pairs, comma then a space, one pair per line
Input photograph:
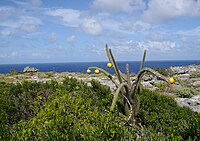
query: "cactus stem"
105, 73
121, 86
141, 73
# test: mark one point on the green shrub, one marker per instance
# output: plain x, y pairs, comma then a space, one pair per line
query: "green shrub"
102, 95
185, 92
13, 72
50, 74
79, 114
163, 71
22, 101
71, 110
195, 75
161, 113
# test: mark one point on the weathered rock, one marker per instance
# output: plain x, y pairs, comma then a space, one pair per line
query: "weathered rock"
148, 78
185, 69
196, 83
193, 103
30, 69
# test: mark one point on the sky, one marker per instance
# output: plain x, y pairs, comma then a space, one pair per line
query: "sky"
49, 31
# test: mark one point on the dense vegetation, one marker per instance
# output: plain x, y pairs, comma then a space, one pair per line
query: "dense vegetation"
160, 114
71, 110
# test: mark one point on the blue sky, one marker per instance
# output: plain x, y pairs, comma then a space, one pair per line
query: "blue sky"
44, 31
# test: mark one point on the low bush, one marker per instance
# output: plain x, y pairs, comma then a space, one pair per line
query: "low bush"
160, 114
21, 101
65, 111
185, 92
71, 110
164, 71
195, 75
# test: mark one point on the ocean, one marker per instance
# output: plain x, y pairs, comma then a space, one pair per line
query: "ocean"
82, 66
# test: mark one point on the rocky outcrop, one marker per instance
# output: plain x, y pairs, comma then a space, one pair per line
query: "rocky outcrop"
28, 69
185, 69
193, 103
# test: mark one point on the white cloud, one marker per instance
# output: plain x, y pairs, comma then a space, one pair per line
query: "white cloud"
6, 12
52, 37
26, 24
71, 39
36, 2
29, 20
70, 17
152, 46
7, 32
28, 28
36, 54
156, 46
92, 27
29, 3
163, 10
117, 5
134, 26
192, 32
60, 47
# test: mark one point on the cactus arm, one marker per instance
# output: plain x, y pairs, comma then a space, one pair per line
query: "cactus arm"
143, 60
115, 67
128, 75
125, 79
141, 67
112, 60
131, 114
121, 86
141, 73
119, 76
106, 74
108, 54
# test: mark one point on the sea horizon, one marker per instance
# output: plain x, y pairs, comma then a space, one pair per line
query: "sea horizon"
97, 62
82, 66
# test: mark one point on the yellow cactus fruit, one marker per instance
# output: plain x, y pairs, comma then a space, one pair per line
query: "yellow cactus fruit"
171, 80
88, 71
109, 65
97, 71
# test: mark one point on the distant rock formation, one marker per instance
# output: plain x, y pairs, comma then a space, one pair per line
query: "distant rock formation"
28, 69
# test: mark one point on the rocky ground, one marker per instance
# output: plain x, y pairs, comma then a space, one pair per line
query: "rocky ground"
189, 79
186, 89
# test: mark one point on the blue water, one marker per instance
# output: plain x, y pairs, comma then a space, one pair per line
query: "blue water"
82, 67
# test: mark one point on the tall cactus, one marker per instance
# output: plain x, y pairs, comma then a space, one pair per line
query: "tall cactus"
127, 88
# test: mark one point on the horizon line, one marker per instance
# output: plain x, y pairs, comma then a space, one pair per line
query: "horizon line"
93, 62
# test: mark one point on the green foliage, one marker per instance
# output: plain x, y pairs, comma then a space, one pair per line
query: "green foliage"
13, 72
185, 92
102, 95
22, 101
162, 87
71, 117
195, 75
160, 114
78, 114
65, 111
50, 74
71, 110
163, 71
